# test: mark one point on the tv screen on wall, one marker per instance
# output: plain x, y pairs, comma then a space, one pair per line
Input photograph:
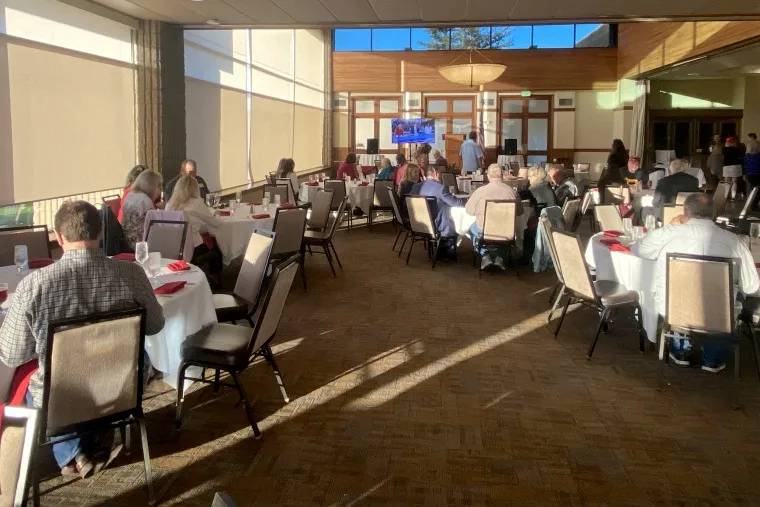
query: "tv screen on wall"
414, 130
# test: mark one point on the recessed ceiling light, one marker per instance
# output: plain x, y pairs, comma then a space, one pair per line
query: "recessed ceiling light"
196, 0
693, 74
213, 22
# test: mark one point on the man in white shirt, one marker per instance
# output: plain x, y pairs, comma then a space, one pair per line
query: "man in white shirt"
470, 154
496, 189
695, 233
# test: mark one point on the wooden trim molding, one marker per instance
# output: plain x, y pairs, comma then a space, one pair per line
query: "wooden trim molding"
565, 110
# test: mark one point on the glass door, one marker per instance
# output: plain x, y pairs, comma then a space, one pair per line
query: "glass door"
453, 115
528, 121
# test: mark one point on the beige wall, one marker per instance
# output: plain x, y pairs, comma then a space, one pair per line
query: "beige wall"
751, 121
697, 94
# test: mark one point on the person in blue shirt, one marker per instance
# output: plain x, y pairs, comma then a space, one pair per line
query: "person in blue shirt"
432, 187
388, 171
471, 154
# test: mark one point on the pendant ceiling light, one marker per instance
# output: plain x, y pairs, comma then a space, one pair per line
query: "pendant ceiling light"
472, 74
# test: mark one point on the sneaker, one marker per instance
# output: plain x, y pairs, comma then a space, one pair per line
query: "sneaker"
500, 263
714, 369
486, 262
680, 357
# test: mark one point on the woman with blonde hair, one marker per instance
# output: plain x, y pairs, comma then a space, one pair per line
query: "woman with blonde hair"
145, 195
187, 198
411, 177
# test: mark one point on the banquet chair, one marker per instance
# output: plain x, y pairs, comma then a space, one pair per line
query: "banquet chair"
107, 393
587, 209
748, 203
230, 348
601, 295
167, 237
514, 168
670, 211
422, 225
499, 228
449, 180
280, 189
18, 439
271, 177
595, 174
720, 197
324, 238
35, 237
682, 196
113, 202
243, 301
582, 168
402, 221
617, 194
558, 292
320, 210
523, 172
381, 201
289, 227
339, 193
571, 213
608, 217
292, 192
474, 185
709, 281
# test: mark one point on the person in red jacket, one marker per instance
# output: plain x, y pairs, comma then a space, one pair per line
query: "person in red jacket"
348, 167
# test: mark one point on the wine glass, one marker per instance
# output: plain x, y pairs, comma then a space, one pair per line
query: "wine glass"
239, 196
277, 200
628, 227
154, 265
141, 252
21, 257
210, 200
754, 233
651, 223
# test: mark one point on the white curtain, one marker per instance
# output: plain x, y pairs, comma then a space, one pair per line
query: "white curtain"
639, 118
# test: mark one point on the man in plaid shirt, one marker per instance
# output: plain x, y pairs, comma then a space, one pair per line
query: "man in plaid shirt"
83, 282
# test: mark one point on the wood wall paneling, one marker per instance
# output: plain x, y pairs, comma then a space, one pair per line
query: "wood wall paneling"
527, 69
644, 47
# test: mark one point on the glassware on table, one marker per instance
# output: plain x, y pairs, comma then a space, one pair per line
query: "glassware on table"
210, 200
21, 258
239, 196
638, 233
311, 178
651, 223
453, 190
3, 297
141, 252
232, 204
628, 227
217, 200
754, 234
277, 200
322, 177
154, 265
265, 204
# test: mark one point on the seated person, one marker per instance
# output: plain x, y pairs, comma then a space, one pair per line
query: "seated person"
633, 175
696, 233
670, 186
144, 196
563, 186
131, 177
348, 168
387, 171
432, 187
286, 169
83, 282
496, 189
400, 169
439, 161
540, 187
188, 167
410, 178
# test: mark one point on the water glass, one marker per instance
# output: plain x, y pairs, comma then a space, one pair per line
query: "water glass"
217, 200
754, 233
638, 233
238, 196
628, 227
210, 200
276, 199
265, 204
21, 258
154, 264
232, 204
141, 252
651, 223
453, 190
311, 178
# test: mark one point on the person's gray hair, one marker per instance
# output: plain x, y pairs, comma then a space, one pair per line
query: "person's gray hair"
436, 153
494, 172
78, 221
148, 183
536, 174
698, 206
677, 166
386, 162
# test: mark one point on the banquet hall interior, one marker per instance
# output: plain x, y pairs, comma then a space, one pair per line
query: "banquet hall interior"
324, 340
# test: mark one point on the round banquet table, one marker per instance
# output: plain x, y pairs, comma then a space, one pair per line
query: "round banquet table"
634, 272
307, 192
233, 235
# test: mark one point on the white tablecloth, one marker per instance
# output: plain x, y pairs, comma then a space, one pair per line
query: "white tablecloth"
365, 159
655, 177
504, 160
360, 196
233, 235
697, 173
465, 184
307, 192
632, 271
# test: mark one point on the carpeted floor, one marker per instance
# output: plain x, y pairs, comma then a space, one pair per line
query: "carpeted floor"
417, 387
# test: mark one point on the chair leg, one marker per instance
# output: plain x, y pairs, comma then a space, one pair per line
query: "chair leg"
756, 347
642, 333
737, 362
248, 412
303, 272
562, 317
664, 351
35, 479
554, 292
308, 247
180, 394
435, 252
270, 359
602, 320
126, 438
401, 250
556, 302
335, 252
217, 383
411, 247
329, 260
397, 238
146, 461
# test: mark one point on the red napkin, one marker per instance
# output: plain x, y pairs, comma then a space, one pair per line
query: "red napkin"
19, 385
609, 241
39, 263
313, 184
129, 257
757, 265
169, 288
620, 248
613, 234
286, 205
178, 266
223, 212
260, 216
363, 184
465, 177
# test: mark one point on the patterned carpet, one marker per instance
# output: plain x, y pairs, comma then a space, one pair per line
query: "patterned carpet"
417, 387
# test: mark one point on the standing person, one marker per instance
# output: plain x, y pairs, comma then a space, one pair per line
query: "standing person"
287, 169
188, 167
732, 165
146, 192
348, 167
131, 177
752, 146
470, 154
400, 169
82, 282
616, 160
752, 169
715, 163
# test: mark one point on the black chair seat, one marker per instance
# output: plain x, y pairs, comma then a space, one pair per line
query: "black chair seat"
229, 307
220, 344
315, 237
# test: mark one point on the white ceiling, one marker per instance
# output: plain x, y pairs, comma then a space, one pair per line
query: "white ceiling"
389, 12
737, 63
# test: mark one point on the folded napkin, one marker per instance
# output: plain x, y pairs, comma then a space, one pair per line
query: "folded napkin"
757, 265
38, 263
223, 212
609, 241
129, 257
169, 288
178, 266
613, 234
620, 248
363, 184
313, 184
260, 216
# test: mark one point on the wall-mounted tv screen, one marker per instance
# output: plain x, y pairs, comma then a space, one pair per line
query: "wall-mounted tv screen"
414, 130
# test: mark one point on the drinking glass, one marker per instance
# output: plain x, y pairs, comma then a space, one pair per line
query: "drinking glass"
754, 233
311, 178
3, 296
210, 200
453, 190
638, 233
238, 196
265, 204
141, 252
276, 199
217, 200
154, 265
232, 204
651, 223
628, 227
21, 258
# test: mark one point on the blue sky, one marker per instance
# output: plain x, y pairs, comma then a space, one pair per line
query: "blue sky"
398, 39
